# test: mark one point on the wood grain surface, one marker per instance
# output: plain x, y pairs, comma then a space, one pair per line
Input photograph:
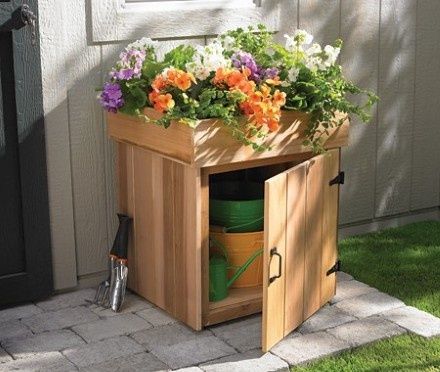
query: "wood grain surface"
163, 197
210, 143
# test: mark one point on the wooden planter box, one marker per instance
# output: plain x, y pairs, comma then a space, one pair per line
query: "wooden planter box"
164, 180
211, 143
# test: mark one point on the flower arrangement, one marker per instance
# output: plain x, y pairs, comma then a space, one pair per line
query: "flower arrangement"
243, 78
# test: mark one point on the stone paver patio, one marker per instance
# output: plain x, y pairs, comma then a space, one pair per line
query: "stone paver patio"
66, 333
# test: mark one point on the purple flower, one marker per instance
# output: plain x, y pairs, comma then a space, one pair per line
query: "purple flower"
270, 73
244, 59
130, 65
111, 97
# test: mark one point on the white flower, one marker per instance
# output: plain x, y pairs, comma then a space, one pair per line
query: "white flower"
207, 59
228, 43
314, 50
332, 54
302, 37
143, 44
314, 59
299, 39
292, 74
290, 42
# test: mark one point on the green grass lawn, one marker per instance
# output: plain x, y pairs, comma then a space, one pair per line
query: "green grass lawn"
403, 353
405, 263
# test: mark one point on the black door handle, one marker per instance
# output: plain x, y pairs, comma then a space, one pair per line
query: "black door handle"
273, 252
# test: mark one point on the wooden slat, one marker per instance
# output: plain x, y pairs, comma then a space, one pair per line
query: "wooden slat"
425, 180
321, 19
175, 142
126, 203
87, 137
191, 221
312, 262
149, 225
240, 302
275, 236
284, 159
214, 144
211, 143
204, 194
396, 107
329, 225
295, 247
168, 239
360, 21
164, 199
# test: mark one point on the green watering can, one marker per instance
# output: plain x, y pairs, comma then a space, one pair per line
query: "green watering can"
218, 272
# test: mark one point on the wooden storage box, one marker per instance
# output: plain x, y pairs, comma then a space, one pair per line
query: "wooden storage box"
164, 178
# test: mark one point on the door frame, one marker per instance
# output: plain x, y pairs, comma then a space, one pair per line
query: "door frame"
36, 281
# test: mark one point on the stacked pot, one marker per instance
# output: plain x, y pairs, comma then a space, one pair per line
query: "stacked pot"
236, 212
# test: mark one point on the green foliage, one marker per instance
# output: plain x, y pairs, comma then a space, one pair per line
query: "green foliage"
322, 93
179, 56
135, 96
212, 102
258, 42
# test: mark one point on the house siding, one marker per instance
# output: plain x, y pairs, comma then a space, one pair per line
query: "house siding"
392, 165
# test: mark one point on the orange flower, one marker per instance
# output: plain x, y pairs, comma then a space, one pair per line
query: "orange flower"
247, 109
235, 78
246, 86
179, 78
273, 124
220, 76
279, 98
161, 102
183, 80
275, 81
152, 96
159, 83
171, 74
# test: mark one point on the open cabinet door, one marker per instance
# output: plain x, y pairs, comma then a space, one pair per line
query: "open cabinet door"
300, 248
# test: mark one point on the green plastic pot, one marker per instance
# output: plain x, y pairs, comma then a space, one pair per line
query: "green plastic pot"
237, 205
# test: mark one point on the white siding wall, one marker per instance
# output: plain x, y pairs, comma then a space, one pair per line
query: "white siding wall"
392, 165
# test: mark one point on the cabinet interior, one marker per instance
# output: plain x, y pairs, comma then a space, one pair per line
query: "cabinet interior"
240, 301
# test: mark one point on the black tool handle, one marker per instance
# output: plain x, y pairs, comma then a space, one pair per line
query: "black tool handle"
120, 244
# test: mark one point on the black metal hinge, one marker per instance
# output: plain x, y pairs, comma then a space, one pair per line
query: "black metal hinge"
336, 267
338, 180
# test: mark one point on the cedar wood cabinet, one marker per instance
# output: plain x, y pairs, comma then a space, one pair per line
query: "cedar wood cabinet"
163, 179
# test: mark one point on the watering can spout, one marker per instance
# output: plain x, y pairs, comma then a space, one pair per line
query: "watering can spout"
243, 268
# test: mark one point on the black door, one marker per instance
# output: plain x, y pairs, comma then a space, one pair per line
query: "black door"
25, 256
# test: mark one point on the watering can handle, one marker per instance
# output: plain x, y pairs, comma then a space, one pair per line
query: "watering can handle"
243, 268
273, 252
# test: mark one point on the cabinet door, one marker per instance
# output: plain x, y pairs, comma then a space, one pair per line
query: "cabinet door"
300, 214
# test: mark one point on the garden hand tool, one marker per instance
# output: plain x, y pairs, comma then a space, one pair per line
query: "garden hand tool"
101, 296
119, 274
